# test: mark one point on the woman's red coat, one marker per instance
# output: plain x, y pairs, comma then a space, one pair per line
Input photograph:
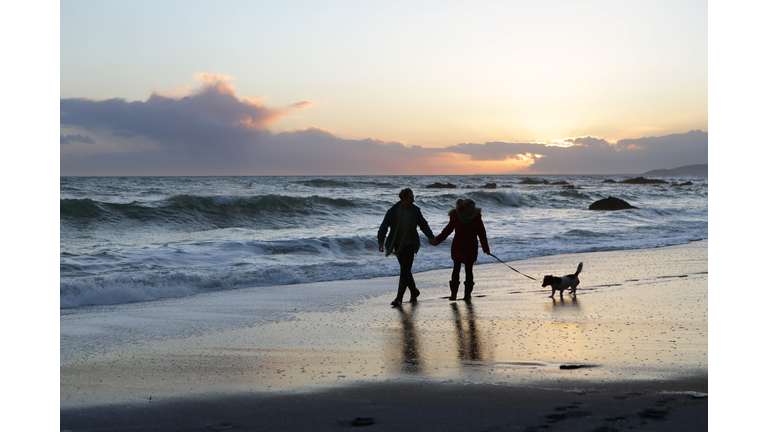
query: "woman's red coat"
464, 245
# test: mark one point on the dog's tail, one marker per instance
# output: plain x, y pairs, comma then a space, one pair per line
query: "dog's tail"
578, 269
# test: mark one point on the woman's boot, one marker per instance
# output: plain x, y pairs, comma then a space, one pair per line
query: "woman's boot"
454, 284
468, 290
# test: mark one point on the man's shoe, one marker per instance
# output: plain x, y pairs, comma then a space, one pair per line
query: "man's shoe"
415, 293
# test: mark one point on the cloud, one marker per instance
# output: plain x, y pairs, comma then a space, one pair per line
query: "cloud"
596, 155
212, 131
210, 123
78, 138
635, 155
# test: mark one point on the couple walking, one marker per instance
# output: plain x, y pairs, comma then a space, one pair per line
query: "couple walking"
402, 219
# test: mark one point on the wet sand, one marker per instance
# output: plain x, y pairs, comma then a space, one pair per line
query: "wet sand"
628, 352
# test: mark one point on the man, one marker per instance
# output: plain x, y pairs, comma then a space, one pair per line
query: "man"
403, 240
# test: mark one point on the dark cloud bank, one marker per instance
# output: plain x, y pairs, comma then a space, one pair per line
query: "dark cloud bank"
213, 132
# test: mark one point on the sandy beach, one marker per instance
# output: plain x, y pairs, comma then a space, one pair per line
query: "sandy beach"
629, 351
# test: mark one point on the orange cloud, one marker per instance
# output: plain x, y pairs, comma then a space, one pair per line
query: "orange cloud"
220, 83
462, 164
218, 97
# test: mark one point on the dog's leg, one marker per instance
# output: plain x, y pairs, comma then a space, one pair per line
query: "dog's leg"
573, 287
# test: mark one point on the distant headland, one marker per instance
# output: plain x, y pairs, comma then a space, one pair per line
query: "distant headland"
694, 170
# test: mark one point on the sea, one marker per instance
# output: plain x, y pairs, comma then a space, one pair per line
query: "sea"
141, 239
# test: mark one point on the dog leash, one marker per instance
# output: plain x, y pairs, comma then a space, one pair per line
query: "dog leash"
511, 267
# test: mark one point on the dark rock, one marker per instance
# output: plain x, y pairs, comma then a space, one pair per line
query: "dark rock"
610, 203
609, 181
688, 183
561, 182
489, 186
642, 180
529, 181
441, 186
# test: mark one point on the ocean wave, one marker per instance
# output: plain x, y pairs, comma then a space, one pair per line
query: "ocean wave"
503, 197
203, 211
254, 205
573, 194
583, 233
145, 286
228, 254
509, 198
80, 208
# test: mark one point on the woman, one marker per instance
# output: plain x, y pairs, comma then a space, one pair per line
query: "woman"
468, 223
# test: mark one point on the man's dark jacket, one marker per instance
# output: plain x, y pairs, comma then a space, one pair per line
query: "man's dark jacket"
416, 220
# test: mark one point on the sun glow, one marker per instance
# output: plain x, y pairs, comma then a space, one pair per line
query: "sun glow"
463, 165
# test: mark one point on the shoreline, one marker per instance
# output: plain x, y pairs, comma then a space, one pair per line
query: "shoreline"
637, 325
390, 263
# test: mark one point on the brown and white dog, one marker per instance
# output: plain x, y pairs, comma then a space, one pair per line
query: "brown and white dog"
560, 283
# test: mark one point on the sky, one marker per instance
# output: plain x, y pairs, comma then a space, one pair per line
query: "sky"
349, 87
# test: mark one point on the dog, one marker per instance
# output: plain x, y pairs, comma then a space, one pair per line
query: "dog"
560, 283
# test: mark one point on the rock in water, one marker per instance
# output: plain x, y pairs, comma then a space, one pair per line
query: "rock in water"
530, 181
610, 203
642, 180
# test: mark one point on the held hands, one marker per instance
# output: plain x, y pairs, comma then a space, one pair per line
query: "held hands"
433, 241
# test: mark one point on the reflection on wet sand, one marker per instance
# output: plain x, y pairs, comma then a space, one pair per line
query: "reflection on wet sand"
470, 347
410, 360
570, 306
